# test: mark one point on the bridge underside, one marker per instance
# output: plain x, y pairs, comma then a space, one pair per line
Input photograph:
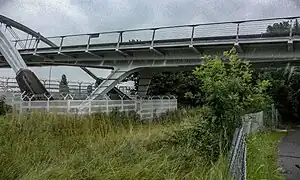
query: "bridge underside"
164, 55
273, 51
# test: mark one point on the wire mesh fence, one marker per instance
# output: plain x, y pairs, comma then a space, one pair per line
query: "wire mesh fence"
78, 89
252, 123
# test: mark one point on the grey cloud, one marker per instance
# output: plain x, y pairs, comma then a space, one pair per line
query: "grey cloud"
79, 16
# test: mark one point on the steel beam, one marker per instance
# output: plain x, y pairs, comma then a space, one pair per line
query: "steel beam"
112, 80
144, 81
115, 90
25, 29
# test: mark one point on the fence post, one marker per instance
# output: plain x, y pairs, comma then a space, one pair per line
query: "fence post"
90, 107
21, 106
107, 109
122, 104
48, 105
68, 106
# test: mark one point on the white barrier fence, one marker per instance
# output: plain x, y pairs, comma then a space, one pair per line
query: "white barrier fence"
147, 108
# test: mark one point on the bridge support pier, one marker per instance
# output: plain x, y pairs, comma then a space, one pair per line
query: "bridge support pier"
144, 82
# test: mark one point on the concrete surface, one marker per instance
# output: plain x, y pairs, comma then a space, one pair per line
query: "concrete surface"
289, 154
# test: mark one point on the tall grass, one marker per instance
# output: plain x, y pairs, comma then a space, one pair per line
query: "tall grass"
262, 161
116, 146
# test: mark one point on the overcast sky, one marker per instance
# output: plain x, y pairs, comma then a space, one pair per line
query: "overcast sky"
57, 17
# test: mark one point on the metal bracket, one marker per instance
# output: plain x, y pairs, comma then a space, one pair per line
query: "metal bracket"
94, 54
290, 45
196, 50
157, 51
88, 45
120, 40
238, 47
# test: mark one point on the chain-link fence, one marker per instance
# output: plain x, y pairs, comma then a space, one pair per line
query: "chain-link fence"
252, 123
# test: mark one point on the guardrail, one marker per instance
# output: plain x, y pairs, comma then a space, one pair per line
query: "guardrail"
148, 36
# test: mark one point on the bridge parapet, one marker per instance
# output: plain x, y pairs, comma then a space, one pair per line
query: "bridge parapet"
148, 36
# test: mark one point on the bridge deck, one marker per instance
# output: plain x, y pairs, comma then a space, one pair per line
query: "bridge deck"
91, 55
203, 41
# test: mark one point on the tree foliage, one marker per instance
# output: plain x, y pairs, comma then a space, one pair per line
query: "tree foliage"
63, 85
283, 27
89, 89
285, 91
228, 92
184, 85
4, 107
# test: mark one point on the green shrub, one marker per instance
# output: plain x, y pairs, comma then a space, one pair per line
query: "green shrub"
229, 93
4, 108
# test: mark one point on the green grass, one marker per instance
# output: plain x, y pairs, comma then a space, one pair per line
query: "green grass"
262, 155
98, 147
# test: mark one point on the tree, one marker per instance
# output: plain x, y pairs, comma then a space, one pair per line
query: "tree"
135, 78
89, 89
285, 91
184, 85
63, 85
229, 92
283, 27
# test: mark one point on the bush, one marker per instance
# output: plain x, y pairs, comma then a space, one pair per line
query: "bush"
229, 92
4, 108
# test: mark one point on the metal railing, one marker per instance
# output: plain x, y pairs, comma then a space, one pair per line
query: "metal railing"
148, 36
146, 107
252, 123
77, 90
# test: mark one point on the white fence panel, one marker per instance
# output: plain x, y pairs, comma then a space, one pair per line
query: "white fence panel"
146, 108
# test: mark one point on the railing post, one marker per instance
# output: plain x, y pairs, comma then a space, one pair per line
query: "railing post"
291, 29
61, 43
192, 36
237, 32
26, 41
153, 37
36, 45
120, 39
30, 41
88, 44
